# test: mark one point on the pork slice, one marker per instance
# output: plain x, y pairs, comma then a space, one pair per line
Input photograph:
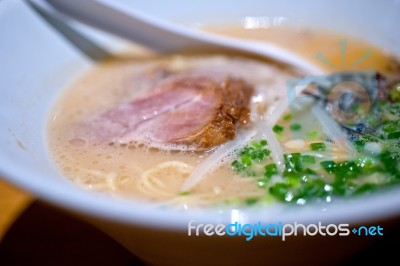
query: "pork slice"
190, 111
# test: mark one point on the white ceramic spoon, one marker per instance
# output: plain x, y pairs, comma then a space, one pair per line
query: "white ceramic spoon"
163, 36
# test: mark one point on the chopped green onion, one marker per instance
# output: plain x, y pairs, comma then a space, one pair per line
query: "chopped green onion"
298, 183
246, 160
307, 158
390, 161
318, 146
394, 135
256, 151
287, 117
237, 166
251, 154
251, 201
280, 191
295, 126
270, 170
278, 129
365, 188
390, 127
312, 134
292, 162
329, 166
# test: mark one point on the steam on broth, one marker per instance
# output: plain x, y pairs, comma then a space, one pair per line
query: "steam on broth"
111, 132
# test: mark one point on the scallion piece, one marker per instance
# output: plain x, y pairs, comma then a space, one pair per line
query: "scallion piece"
287, 117
394, 135
270, 170
278, 129
307, 158
312, 134
317, 146
295, 126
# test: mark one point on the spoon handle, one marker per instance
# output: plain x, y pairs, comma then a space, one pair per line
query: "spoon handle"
119, 20
166, 37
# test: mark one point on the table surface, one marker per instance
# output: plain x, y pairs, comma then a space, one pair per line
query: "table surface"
12, 202
34, 233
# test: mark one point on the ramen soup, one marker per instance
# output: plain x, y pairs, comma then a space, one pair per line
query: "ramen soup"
201, 130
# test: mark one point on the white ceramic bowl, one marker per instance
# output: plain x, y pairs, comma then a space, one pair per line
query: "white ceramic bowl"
36, 64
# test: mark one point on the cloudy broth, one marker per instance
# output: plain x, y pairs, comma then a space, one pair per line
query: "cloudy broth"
136, 171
